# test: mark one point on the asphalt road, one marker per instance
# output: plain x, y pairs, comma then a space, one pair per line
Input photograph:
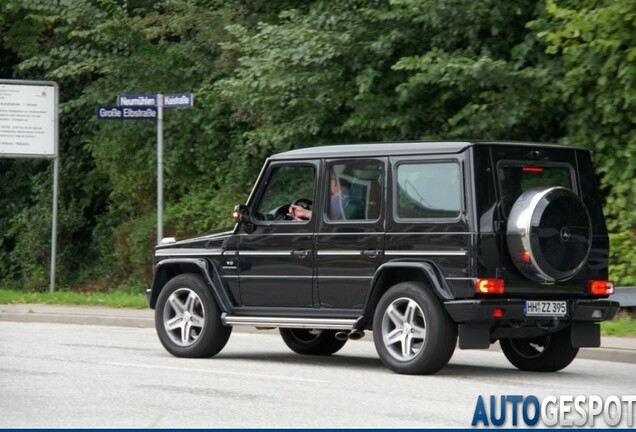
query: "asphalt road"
61, 375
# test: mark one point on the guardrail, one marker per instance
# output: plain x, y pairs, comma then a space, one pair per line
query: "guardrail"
626, 296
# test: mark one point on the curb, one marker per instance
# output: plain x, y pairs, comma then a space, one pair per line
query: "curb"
613, 349
77, 319
83, 315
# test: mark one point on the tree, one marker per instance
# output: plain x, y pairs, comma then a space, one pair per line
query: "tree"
272, 76
596, 41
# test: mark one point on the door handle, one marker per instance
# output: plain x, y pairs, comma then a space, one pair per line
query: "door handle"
372, 253
301, 253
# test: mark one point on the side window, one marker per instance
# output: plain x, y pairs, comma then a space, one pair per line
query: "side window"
354, 191
287, 185
428, 190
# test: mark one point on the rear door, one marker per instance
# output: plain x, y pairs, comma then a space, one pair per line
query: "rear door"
350, 241
520, 169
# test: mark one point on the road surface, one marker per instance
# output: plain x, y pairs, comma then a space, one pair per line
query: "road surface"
61, 375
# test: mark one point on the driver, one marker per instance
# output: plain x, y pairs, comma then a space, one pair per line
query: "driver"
339, 195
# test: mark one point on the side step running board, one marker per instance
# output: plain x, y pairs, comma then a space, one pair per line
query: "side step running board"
307, 323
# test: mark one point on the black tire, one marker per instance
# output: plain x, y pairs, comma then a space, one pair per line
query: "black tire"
311, 342
546, 353
188, 320
413, 334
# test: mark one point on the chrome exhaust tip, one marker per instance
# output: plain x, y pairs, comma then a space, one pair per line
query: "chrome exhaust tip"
342, 336
356, 334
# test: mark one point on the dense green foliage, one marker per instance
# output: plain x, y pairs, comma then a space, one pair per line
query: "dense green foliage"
271, 76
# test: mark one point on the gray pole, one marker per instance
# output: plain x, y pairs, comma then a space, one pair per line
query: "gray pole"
56, 171
56, 191
159, 168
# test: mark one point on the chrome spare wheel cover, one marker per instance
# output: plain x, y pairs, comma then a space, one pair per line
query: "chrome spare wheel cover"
549, 234
184, 317
403, 329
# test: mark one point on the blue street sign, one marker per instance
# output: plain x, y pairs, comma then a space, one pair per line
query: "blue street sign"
171, 100
134, 100
119, 113
178, 100
148, 107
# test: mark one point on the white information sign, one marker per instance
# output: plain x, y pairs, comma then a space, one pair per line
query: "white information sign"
28, 120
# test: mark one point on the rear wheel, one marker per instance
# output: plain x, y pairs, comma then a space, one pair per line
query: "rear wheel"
311, 342
546, 353
413, 334
188, 320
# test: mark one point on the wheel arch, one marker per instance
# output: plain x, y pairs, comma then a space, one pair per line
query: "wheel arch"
391, 273
171, 267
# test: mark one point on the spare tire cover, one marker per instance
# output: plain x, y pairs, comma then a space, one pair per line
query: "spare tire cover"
549, 234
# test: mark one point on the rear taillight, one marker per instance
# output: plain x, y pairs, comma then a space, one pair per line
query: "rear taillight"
600, 288
489, 286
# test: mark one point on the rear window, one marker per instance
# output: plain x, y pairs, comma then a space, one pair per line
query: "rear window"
517, 178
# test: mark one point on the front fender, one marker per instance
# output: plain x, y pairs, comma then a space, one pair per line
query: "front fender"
171, 267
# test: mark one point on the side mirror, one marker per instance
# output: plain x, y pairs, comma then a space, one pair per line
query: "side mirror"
241, 214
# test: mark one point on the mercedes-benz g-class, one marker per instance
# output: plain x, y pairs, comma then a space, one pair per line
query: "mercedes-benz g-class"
423, 243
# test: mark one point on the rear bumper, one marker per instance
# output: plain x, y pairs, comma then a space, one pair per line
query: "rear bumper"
481, 310
478, 328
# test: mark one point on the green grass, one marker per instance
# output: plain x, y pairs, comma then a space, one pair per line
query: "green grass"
125, 297
622, 325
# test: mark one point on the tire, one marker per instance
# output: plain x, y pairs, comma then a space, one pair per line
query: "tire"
549, 234
546, 353
188, 320
413, 334
311, 342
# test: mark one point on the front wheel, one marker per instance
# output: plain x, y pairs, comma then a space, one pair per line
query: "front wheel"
188, 320
311, 342
413, 334
546, 353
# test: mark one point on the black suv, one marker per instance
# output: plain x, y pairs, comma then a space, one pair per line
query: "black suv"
421, 242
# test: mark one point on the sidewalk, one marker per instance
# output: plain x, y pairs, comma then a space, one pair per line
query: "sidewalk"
615, 349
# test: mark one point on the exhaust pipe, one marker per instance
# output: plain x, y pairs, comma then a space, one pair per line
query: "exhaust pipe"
356, 334
342, 336
353, 335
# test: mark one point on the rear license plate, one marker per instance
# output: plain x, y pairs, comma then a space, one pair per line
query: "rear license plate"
549, 308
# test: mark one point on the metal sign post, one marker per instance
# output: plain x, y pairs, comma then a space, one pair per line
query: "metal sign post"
56, 191
148, 107
29, 129
159, 168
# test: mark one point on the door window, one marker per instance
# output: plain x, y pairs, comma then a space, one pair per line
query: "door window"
354, 191
287, 185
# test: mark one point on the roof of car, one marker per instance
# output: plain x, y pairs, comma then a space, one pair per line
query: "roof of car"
396, 148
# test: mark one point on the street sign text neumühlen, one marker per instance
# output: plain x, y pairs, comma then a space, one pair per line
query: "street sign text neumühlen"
119, 113
134, 100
